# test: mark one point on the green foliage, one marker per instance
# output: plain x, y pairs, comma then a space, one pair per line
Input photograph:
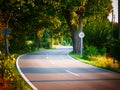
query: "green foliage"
93, 51
102, 51
10, 74
97, 31
25, 17
99, 61
115, 49
45, 39
90, 51
115, 30
66, 41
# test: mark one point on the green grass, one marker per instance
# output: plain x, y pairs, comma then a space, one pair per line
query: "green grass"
98, 61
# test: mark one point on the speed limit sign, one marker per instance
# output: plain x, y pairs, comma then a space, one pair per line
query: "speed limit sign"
81, 35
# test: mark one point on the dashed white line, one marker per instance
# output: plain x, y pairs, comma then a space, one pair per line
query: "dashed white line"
46, 56
75, 74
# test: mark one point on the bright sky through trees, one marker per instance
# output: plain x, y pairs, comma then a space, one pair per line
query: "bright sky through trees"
115, 10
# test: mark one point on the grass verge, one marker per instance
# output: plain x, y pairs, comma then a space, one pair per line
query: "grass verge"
99, 61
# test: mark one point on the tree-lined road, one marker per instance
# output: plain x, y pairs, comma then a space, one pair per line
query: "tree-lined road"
56, 70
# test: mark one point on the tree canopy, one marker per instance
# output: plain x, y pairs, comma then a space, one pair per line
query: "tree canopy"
28, 17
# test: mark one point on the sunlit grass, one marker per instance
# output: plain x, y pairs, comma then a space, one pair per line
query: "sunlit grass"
99, 61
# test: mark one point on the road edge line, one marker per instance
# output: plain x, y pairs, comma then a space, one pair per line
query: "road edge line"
23, 76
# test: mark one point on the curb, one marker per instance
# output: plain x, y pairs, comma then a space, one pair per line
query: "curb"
23, 76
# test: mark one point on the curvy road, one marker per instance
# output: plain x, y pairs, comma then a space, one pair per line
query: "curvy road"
56, 70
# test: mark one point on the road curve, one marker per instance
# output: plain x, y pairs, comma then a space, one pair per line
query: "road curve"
56, 70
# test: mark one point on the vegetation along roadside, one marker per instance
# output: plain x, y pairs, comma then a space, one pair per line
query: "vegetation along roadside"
10, 78
96, 59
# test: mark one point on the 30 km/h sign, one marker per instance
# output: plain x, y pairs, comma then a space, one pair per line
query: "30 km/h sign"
81, 35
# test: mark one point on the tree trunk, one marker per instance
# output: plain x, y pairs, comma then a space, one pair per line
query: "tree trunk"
74, 31
51, 41
76, 40
37, 41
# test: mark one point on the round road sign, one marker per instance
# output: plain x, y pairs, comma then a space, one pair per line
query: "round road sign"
81, 35
6, 31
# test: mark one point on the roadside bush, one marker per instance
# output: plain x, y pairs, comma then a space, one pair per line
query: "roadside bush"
64, 43
46, 44
115, 50
90, 51
45, 39
97, 32
102, 51
10, 76
104, 62
99, 61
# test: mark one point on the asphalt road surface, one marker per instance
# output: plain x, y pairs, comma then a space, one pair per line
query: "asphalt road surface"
56, 70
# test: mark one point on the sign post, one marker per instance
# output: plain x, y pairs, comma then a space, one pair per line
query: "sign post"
6, 32
81, 35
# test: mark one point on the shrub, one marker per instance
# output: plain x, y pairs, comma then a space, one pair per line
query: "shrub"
90, 51
102, 51
104, 62
11, 76
46, 44
64, 43
115, 50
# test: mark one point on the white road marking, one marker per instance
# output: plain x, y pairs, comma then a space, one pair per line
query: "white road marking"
46, 56
75, 74
21, 73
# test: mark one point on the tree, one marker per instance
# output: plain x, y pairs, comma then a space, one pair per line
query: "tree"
74, 11
98, 31
31, 15
19, 24
5, 16
24, 21
85, 9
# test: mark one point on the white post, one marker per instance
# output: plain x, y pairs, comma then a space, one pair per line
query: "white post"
81, 47
81, 35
